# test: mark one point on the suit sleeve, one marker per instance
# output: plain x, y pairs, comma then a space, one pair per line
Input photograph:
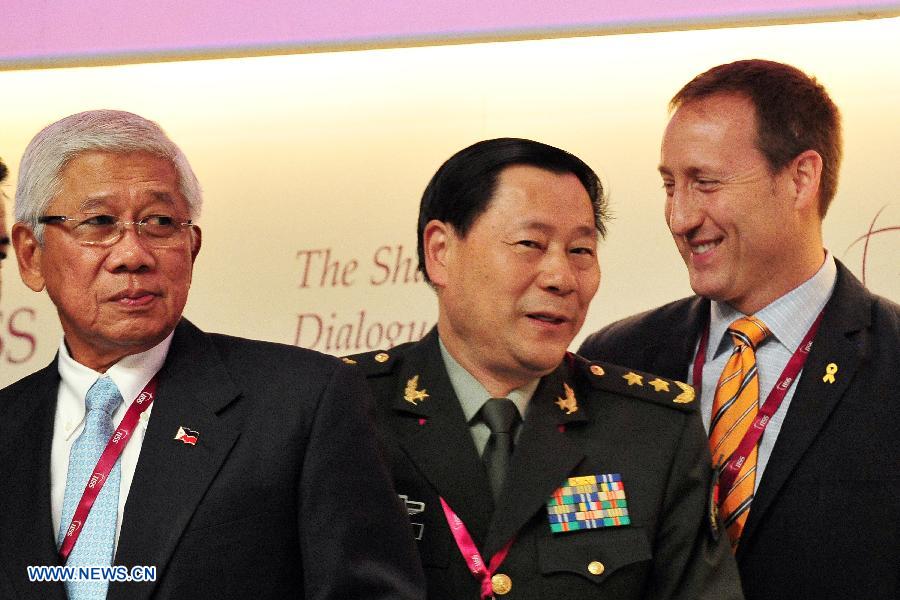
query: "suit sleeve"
689, 562
356, 541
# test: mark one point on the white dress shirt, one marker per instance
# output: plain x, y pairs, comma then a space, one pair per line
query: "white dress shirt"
788, 318
130, 375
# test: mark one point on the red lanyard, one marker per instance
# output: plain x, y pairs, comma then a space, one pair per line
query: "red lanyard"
482, 572
105, 464
773, 401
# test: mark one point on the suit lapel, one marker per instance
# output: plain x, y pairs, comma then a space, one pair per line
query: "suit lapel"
26, 537
846, 314
171, 477
443, 432
672, 355
543, 458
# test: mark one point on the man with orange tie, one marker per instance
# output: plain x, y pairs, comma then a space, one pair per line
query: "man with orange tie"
794, 360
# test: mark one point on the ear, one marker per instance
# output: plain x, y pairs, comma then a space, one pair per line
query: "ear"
196, 239
29, 255
436, 238
806, 176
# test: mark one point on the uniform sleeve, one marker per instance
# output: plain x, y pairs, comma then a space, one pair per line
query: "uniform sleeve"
689, 562
356, 541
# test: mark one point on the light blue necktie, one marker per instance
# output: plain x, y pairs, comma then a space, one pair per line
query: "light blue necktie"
96, 541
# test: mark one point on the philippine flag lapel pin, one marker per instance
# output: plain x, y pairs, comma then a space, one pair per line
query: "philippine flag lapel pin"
188, 436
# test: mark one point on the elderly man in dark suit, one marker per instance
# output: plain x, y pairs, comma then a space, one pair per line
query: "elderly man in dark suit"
796, 362
529, 472
204, 466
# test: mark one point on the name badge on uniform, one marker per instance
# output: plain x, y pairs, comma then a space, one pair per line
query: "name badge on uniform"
588, 502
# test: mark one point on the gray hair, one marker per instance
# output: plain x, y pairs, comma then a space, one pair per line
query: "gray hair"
116, 131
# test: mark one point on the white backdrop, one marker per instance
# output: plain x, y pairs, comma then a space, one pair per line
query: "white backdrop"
313, 165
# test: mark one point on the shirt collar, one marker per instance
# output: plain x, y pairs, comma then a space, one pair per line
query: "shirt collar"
789, 317
472, 395
130, 374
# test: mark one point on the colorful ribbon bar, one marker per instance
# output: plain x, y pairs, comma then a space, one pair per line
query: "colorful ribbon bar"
588, 502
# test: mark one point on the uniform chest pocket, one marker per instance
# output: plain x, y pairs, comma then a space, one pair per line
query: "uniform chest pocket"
594, 554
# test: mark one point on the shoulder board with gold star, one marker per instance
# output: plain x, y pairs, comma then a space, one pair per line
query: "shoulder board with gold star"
377, 362
638, 384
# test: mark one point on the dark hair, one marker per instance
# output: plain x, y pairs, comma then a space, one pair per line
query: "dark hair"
3, 171
793, 114
464, 185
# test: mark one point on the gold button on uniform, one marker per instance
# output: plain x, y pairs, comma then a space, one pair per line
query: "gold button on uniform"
382, 357
597, 370
595, 567
349, 361
501, 584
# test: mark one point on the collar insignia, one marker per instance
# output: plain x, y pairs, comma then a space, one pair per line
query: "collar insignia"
569, 403
413, 395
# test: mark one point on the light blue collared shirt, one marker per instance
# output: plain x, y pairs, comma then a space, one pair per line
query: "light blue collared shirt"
789, 318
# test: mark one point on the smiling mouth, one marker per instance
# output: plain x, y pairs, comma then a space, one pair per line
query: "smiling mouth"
704, 247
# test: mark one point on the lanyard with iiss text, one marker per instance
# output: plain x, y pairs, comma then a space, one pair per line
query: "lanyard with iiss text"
482, 571
773, 401
105, 464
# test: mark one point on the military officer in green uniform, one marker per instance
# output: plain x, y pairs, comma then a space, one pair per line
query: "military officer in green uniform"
529, 472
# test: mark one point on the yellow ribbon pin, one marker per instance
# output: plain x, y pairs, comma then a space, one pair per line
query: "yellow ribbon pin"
830, 370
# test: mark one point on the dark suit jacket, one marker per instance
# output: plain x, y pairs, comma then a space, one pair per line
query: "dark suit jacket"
656, 445
283, 496
825, 522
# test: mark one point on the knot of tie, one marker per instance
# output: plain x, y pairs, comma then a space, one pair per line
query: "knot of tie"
103, 395
748, 331
500, 415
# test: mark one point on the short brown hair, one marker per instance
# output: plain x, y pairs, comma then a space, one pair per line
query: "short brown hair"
793, 113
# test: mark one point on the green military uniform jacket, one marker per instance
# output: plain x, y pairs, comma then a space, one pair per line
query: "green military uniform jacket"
584, 419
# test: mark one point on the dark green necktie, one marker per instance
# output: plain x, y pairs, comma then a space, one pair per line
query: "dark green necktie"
501, 416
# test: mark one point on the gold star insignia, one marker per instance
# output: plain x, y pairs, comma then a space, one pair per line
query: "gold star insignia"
633, 378
686, 395
349, 361
569, 403
413, 395
659, 385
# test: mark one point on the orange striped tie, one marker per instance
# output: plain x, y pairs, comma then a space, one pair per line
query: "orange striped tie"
734, 409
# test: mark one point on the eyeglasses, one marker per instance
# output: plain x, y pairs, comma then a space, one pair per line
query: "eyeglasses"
159, 231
